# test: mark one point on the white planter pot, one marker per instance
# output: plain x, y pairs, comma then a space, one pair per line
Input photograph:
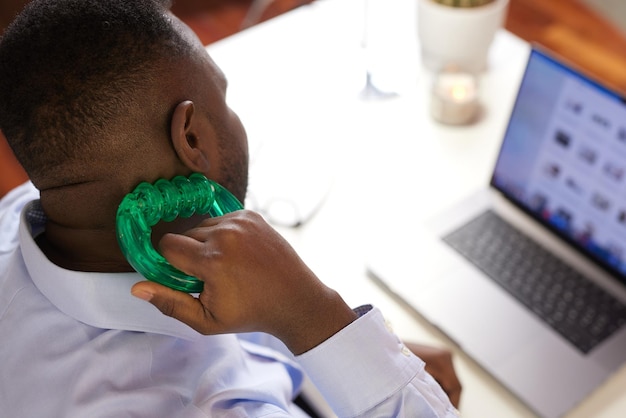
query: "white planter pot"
457, 36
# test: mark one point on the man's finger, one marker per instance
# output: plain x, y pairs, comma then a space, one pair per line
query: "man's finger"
178, 305
183, 252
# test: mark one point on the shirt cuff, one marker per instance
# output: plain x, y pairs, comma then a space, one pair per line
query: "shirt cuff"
360, 366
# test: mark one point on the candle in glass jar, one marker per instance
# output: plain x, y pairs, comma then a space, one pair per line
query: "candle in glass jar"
454, 98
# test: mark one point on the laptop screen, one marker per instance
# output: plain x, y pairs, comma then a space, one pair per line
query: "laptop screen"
563, 159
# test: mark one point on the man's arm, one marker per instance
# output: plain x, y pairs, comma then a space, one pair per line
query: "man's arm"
255, 281
365, 370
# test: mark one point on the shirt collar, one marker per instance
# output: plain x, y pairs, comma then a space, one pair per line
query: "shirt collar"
101, 300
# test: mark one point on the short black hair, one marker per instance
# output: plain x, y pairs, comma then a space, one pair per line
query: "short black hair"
68, 68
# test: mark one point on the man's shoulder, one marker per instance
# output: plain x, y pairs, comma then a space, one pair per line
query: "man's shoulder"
11, 206
26, 189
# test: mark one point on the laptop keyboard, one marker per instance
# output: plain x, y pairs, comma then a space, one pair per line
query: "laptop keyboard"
578, 309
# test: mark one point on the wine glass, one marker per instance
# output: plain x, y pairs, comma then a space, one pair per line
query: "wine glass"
370, 91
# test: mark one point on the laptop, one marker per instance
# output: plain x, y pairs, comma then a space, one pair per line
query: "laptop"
528, 276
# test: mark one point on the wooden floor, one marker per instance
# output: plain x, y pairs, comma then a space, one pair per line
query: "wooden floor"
567, 27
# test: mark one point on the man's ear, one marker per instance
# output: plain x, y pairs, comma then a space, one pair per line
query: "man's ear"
185, 136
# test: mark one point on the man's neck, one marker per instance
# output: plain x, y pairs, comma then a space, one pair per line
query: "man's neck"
80, 227
83, 249
97, 250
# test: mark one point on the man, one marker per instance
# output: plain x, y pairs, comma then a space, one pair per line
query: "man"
95, 98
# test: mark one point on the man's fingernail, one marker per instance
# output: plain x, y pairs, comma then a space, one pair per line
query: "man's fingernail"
142, 294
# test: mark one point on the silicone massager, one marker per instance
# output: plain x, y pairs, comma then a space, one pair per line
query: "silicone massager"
165, 201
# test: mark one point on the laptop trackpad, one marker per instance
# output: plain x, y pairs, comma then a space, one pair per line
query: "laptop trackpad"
478, 315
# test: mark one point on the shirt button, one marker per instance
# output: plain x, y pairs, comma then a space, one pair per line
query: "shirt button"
388, 326
406, 351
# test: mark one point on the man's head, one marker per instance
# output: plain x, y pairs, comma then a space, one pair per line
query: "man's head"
96, 96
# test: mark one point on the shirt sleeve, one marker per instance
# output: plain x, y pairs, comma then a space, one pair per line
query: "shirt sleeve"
365, 370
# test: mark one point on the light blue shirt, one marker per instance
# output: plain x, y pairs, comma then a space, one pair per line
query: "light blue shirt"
77, 344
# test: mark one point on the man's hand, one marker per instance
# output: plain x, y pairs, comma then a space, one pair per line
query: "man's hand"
439, 365
253, 281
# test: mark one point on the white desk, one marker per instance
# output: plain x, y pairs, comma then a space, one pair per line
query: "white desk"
295, 82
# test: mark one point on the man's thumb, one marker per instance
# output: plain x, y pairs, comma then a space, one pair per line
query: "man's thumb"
179, 305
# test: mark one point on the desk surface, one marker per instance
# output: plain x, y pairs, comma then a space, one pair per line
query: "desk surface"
295, 83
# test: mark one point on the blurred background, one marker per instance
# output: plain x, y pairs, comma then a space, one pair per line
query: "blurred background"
589, 33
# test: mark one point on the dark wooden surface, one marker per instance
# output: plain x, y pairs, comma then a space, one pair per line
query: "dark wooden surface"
576, 32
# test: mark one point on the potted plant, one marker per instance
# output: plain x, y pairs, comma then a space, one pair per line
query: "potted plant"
463, 3
458, 32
